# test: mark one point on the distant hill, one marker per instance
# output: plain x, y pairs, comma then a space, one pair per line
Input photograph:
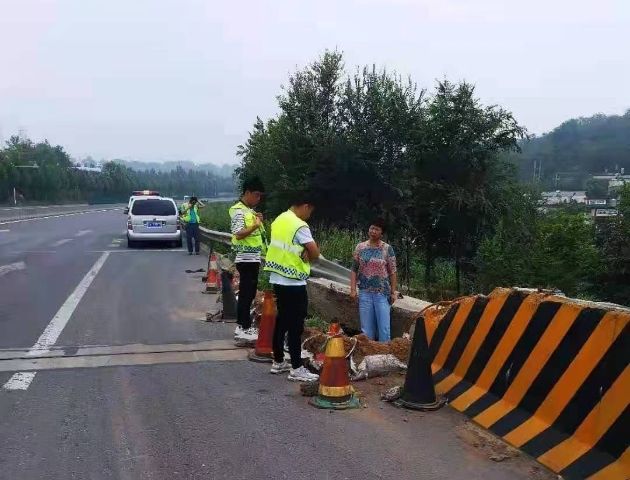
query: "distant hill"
566, 156
225, 170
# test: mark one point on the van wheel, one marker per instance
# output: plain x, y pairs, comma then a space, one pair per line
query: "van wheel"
179, 243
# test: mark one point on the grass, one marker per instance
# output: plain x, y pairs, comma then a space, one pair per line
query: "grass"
315, 321
215, 216
337, 244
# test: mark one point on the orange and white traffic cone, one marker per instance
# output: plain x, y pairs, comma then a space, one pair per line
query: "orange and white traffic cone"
335, 391
264, 344
213, 280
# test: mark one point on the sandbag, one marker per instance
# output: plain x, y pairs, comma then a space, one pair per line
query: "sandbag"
377, 366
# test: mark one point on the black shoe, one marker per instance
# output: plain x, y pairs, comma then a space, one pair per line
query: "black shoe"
196, 253
189, 253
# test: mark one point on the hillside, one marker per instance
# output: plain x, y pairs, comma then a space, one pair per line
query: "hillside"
564, 157
225, 170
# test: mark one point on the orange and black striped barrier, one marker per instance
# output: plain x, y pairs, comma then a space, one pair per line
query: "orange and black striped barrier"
548, 374
335, 391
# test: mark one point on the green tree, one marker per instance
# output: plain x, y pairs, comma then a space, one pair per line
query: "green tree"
613, 239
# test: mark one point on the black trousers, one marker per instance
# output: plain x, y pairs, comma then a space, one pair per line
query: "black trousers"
292, 304
248, 283
192, 232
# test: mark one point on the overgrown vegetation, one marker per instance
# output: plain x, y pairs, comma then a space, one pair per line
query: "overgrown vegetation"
439, 166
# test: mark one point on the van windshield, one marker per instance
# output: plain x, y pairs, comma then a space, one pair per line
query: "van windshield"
153, 207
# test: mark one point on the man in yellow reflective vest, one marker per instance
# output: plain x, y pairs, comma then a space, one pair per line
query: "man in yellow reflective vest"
248, 244
289, 257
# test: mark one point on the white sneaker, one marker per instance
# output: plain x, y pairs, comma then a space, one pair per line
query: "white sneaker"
280, 367
302, 375
252, 331
238, 331
251, 334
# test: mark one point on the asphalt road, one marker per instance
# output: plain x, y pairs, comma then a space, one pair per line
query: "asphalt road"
70, 282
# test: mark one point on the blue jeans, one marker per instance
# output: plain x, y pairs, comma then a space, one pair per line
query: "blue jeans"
374, 311
192, 233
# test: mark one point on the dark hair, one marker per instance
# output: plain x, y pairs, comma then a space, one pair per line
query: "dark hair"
253, 184
193, 199
378, 222
302, 197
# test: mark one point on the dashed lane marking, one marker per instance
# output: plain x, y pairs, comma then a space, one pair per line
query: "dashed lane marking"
11, 267
20, 380
58, 243
80, 233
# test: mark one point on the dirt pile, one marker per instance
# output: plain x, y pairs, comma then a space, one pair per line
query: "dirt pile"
315, 342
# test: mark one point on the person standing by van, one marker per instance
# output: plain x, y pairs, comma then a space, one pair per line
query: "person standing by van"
190, 215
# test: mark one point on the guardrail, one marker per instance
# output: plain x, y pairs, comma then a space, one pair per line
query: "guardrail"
322, 268
26, 212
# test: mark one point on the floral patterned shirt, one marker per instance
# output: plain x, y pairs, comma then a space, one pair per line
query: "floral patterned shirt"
373, 266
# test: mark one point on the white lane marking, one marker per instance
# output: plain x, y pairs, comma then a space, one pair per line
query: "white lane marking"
58, 243
58, 216
177, 250
19, 381
80, 233
5, 230
52, 331
11, 267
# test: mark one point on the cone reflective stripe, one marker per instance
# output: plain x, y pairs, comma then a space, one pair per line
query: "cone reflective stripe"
335, 391
419, 392
264, 343
212, 279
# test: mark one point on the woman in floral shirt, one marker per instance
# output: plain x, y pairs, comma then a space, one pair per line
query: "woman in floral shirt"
374, 272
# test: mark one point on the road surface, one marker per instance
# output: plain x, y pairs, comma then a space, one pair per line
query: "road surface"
135, 385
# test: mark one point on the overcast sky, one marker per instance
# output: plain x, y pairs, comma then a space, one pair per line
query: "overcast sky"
185, 79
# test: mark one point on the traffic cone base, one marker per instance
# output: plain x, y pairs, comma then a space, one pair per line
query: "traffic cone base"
320, 402
425, 407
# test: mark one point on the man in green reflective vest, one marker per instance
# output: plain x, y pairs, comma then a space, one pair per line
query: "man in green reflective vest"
190, 215
291, 251
248, 244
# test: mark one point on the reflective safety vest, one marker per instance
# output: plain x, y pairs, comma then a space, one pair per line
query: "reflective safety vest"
252, 243
186, 212
283, 256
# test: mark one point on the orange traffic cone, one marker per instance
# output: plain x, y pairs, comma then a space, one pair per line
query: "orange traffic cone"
213, 280
264, 348
335, 391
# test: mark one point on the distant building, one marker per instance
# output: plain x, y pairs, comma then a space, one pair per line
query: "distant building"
88, 166
615, 180
560, 197
604, 212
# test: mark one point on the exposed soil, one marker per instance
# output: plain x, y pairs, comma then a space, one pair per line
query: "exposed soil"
399, 347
